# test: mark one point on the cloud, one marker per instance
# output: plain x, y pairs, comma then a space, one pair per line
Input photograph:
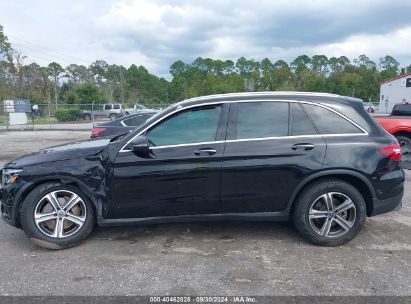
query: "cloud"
156, 33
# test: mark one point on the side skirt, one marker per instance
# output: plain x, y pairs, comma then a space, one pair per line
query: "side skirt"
281, 216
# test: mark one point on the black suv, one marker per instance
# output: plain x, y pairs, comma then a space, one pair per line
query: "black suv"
317, 159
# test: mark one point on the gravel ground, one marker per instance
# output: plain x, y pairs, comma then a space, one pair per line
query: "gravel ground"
232, 258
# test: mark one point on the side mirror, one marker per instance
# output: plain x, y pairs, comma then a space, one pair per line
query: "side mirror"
140, 146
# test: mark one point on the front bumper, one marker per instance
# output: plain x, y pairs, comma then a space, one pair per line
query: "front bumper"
7, 198
6, 213
387, 205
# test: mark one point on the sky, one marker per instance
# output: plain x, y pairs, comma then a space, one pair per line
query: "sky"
157, 33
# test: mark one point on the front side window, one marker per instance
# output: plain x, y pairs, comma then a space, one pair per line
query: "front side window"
107, 107
191, 126
328, 122
116, 106
261, 119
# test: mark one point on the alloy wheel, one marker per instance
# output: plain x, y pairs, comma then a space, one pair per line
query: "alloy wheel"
60, 214
332, 215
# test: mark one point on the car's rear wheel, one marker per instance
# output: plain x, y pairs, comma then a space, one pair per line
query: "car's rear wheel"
57, 216
329, 212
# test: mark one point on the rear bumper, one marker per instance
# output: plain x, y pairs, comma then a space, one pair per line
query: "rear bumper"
387, 205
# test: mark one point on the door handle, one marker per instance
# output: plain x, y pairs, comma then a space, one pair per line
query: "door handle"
205, 151
305, 146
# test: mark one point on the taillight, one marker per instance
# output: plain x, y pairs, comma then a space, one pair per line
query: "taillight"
96, 132
391, 151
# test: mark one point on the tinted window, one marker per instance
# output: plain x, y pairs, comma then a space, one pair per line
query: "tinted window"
116, 106
402, 110
193, 126
107, 107
301, 124
328, 122
262, 119
135, 120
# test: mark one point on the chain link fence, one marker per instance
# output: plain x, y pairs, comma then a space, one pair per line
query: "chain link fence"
69, 116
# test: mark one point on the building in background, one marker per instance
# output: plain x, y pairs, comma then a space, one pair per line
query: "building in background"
394, 91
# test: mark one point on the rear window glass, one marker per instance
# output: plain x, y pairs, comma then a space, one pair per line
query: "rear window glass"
300, 123
328, 122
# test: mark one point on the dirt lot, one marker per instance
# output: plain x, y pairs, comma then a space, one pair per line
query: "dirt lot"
204, 258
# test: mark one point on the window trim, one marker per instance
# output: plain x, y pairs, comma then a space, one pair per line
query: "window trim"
181, 108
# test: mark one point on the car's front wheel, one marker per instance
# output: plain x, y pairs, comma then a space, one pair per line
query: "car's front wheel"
329, 212
57, 216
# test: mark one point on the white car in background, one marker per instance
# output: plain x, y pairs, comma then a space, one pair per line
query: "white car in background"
138, 108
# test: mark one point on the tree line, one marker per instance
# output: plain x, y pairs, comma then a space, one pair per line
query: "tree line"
102, 82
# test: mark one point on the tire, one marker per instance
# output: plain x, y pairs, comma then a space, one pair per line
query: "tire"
311, 213
403, 140
112, 117
45, 233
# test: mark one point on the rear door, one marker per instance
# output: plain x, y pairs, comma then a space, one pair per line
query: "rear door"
271, 147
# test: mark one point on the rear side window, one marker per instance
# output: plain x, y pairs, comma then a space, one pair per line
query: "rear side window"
261, 119
300, 123
328, 122
107, 107
402, 110
116, 106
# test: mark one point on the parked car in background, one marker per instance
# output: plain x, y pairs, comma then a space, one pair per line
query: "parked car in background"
398, 123
138, 107
120, 126
109, 110
369, 107
317, 159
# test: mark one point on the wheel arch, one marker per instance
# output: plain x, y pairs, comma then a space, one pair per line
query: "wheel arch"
357, 180
402, 133
27, 188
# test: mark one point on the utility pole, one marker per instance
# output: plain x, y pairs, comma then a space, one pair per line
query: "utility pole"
55, 89
121, 84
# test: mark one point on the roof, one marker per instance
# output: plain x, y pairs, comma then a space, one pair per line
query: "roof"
396, 78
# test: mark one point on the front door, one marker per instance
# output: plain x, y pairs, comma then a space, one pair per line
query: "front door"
182, 174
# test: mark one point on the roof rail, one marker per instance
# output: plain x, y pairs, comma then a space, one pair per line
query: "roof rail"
251, 94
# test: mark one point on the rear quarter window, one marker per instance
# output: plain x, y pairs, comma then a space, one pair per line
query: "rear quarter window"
329, 122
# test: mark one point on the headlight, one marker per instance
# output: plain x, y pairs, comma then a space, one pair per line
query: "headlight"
9, 176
